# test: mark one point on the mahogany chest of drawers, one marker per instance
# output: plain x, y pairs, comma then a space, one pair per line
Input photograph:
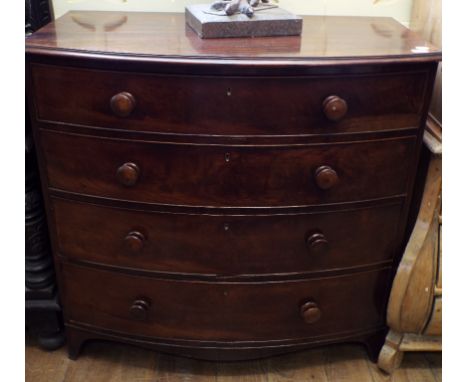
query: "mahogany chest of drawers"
227, 199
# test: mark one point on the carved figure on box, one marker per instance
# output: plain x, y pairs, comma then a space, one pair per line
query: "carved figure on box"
237, 6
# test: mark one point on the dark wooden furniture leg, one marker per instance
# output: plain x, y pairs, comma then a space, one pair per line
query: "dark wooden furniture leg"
374, 344
75, 340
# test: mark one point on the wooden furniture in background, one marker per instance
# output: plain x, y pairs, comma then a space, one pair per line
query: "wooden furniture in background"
227, 199
415, 308
43, 312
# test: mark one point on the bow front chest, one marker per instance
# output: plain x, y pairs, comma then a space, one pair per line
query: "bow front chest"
226, 199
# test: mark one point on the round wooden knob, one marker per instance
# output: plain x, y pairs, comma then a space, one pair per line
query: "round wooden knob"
128, 174
135, 241
317, 243
310, 312
334, 108
122, 104
326, 177
139, 309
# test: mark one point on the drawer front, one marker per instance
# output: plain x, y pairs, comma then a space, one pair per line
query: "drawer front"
224, 311
236, 245
229, 105
227, 176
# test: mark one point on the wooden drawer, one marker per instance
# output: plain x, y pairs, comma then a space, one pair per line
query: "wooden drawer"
227, 105
223, 311
225, 245
227, 175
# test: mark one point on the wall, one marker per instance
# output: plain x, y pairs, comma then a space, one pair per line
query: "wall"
426, 19
398, 9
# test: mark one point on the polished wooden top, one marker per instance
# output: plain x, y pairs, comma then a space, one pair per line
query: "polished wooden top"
165, 37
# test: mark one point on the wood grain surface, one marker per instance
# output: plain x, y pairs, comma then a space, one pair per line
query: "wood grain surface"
229, 314
111, 362
166, 36
198, 175
226, 105
254, 245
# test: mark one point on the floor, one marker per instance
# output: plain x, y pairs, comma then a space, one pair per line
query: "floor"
109, 362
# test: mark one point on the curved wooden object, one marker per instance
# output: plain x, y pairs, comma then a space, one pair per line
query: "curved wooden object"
390, 356
413, 287
415, 307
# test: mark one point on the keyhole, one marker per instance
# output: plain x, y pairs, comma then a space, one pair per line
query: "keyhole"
227, 157
226, 226
229, 92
